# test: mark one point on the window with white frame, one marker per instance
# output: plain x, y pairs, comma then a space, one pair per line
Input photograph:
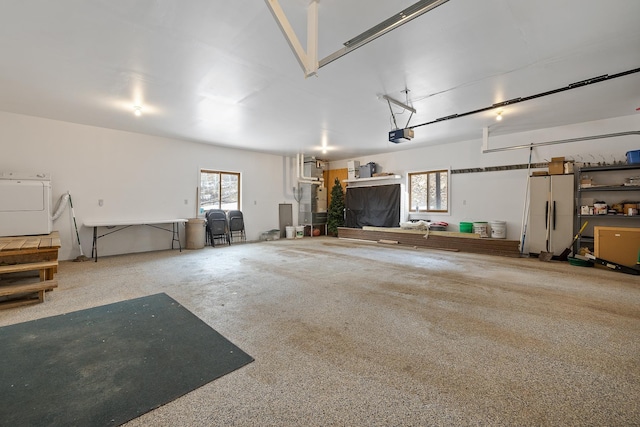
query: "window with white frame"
429, 191
219, 190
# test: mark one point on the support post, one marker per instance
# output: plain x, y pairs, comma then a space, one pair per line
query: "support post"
312, 39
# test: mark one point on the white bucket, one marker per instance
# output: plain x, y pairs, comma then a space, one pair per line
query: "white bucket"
299, 231
498, 229
290, 231
481, 228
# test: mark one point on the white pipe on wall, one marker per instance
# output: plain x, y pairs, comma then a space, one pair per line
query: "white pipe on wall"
300, 171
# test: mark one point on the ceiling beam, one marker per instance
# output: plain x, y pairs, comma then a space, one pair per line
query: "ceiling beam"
312, 39
384, 27
398, 103
308, 60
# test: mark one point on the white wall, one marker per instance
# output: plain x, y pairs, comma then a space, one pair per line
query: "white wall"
142, 176
138, 177
488, 196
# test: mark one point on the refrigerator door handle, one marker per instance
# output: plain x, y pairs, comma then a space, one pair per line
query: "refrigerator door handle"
546, 215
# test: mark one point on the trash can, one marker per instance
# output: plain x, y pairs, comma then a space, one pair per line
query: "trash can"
195, 230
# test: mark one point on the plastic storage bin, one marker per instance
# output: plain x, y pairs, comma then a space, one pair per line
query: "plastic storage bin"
367, 171
633, 157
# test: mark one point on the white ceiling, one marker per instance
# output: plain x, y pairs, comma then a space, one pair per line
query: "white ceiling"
221, 72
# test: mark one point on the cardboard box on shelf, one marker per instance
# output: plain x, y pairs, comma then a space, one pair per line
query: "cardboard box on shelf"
556, 166
617, 244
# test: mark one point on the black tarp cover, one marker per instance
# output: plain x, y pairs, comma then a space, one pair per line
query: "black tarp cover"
377, 206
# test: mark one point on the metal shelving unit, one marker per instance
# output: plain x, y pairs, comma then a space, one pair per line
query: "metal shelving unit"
610, 191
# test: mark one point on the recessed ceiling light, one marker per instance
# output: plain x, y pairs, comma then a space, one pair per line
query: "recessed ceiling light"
499, 116
137, 110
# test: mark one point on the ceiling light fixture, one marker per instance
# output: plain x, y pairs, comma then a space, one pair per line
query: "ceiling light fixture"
137, 110
499, 116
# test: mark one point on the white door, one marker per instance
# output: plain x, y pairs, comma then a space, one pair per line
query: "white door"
562, 210
539, 195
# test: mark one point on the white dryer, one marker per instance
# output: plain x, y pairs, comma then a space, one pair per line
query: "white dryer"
25, 204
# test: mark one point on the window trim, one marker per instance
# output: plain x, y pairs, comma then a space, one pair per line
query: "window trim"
219, 172
427, 210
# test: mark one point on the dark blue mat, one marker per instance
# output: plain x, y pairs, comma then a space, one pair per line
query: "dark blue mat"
107, 365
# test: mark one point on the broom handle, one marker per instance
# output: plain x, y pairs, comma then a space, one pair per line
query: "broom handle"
580, 232
525, 211
75, 225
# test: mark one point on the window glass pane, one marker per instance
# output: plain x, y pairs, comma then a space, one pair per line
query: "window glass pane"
428, 191
418, 195
437, 191
209, 190
229, 195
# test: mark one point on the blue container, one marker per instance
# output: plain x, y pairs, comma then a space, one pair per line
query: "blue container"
633, 156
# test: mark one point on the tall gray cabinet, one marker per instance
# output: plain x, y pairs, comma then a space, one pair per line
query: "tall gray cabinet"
551, 213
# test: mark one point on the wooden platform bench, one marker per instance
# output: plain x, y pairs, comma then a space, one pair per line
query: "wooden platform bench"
23, 254
28, 293
463, 242
46, 268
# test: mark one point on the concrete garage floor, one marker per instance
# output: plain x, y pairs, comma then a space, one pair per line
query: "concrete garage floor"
359, 334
